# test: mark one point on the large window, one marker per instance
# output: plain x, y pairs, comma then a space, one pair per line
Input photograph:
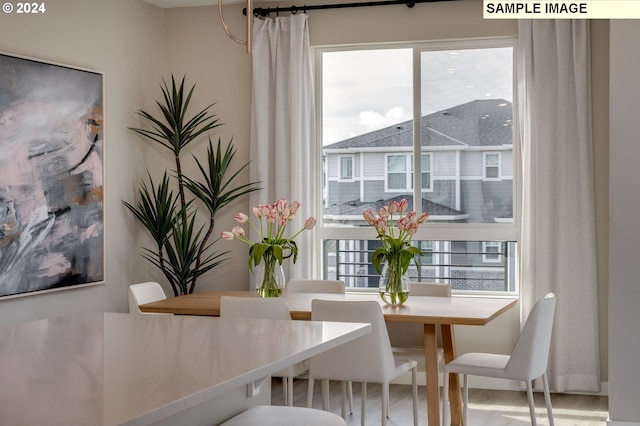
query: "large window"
445, 110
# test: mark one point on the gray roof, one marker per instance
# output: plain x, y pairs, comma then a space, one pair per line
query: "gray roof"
476, 123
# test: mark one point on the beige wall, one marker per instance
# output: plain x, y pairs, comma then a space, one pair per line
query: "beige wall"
624, 294
125, 40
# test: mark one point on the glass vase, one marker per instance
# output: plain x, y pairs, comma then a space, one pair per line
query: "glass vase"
269, 277
394, 284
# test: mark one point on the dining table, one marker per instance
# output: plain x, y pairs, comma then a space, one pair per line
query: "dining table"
432, 312
108, 369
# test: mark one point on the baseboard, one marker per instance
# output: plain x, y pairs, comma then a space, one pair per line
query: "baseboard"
477, 382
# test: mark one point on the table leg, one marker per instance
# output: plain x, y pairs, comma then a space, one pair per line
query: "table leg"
455, 396
431, 369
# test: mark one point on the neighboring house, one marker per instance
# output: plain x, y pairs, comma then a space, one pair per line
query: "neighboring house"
466, 173
466, 177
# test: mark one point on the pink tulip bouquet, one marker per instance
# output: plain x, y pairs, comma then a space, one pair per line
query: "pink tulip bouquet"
396, 249
272, 244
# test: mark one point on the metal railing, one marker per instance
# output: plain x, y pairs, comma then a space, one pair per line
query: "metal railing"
463, 265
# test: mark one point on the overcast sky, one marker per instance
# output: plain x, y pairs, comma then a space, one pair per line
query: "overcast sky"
372, 89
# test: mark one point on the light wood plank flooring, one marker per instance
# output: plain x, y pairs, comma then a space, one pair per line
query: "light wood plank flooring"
486, 407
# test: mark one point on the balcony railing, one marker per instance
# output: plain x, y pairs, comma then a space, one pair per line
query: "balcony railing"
462, 264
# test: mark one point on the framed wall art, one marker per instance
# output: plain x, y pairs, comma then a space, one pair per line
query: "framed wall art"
51, 176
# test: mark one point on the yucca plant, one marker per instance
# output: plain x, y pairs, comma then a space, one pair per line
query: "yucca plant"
182, 250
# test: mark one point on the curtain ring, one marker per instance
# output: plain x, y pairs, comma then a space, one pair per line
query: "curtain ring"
294, 10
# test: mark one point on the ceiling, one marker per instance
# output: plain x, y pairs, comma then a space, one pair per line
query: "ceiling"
187, 3
182, 3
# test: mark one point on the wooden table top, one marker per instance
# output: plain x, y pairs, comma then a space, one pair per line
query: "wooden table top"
418, 309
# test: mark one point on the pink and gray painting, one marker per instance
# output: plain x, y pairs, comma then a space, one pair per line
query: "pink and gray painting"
51, 176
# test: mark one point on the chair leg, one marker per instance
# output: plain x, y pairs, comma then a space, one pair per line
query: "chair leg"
310, 392
343, 398
532, 407
446, 421
285, 394
290, 391
465, 398
363, 402
325, 395
414, 391
547, 398
350, 390
385, 403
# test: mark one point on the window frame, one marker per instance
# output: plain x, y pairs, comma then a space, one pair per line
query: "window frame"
406, 173
341, 157
501, 231
486, 166
487, 256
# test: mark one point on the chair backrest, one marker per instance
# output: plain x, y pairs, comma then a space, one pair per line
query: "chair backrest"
412, 335
365, 359
254, 307
142, 293
316, 286
531, 353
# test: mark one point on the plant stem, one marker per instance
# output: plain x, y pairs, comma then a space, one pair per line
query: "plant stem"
269, 286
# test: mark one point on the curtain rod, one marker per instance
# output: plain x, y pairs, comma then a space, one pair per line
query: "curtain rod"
259, 11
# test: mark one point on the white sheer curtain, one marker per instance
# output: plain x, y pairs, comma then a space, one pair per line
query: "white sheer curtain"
558, 244
282, 148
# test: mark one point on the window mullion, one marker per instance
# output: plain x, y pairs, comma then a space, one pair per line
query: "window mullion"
417, 149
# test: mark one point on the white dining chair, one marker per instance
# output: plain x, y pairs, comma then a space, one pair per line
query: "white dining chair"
142, 293
367, 359
315, 286
527, 361
265, 308
320, 286
269, 415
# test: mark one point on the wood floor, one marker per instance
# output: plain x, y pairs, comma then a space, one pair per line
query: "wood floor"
486, 407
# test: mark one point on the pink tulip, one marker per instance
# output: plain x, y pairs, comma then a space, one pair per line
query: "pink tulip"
394, 207
266, 209
404, 223
257, 212
310, 223
384, 212
282, 220
423, 217
238, 231
369, 216
412, 228
381, 225
281, 204
241, 218
403, 205
293, 208
272, 217
226, 235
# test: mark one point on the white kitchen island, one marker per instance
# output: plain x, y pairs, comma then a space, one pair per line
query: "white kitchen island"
106, 369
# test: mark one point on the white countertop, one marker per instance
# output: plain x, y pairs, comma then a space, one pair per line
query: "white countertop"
112, 369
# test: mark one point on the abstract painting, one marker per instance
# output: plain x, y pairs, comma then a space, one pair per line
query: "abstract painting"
51, 176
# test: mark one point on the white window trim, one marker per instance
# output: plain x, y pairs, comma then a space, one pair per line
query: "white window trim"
407, 172
430, 155
353, 163
431, 231
485, 165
